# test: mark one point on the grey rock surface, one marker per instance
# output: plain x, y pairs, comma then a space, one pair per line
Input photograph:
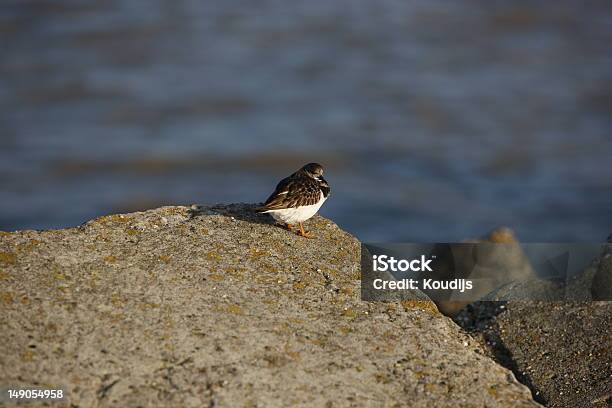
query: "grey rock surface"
601, 286
562, 350
495, 260
223, 309
591, 283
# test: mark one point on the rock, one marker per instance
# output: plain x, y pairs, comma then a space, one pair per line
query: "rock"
577, 288
561, 350
483, 260
216, 307
601, 287
592, 282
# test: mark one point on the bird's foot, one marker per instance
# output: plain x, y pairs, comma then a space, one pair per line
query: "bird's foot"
303, 233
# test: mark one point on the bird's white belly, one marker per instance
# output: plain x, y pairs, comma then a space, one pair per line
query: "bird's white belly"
299, 214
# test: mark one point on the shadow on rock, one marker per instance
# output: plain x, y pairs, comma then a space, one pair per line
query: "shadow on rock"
241, 211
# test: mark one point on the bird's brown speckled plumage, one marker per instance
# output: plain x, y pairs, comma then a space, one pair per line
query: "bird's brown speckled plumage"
298, 197
297, 190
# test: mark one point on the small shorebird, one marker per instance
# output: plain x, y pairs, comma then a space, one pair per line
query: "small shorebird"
298, 197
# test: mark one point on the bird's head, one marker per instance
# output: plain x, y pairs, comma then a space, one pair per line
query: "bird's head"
314, 170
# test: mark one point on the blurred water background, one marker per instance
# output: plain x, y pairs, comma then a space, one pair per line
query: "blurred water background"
436, 120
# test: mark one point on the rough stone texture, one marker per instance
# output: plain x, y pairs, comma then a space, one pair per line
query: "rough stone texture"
497, 251
601, 287
561, 350
592, 283
223, 309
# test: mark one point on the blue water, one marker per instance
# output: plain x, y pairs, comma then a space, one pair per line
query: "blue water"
436, 121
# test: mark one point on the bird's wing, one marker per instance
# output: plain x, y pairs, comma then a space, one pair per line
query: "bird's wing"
293, 192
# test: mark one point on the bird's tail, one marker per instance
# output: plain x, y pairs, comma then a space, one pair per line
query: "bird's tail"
261, 209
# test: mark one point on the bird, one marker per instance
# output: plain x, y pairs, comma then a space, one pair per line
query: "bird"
298, 197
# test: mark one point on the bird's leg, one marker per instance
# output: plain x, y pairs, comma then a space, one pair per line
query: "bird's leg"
289, 226
304, 233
